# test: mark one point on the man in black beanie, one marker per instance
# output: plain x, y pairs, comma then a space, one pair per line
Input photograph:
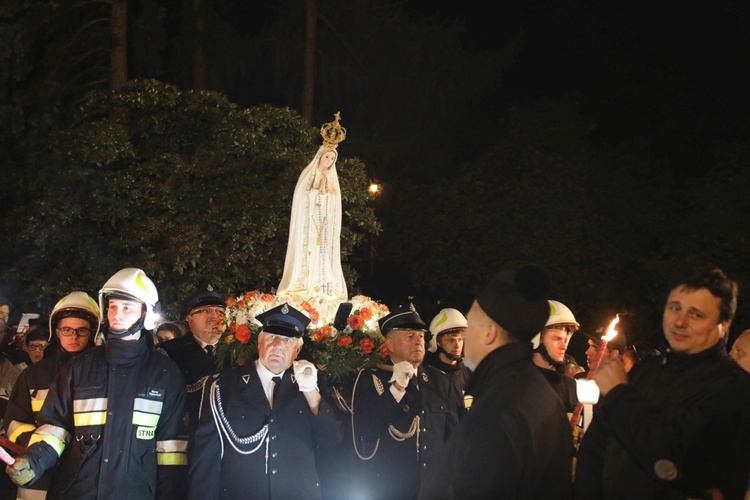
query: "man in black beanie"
515, 441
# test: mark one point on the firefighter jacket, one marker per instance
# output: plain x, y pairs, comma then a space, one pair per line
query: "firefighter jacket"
24, 405
116, 411
246, 449
399, 442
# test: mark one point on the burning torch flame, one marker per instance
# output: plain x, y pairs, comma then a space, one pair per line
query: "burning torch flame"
611, 332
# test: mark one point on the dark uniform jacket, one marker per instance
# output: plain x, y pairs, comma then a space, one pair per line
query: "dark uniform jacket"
195, 365
116, 411
404, 439
515, 442
692, 411
458, 372
283, 463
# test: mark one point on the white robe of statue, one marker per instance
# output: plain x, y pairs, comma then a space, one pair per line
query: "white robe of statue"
312, 269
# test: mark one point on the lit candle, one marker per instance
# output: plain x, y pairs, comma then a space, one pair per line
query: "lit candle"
594, 365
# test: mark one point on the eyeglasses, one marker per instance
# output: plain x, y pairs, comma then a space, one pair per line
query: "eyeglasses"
66, 331
37, 347
208, 310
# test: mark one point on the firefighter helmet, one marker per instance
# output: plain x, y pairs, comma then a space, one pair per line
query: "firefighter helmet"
447, 320
559, 314
133, 284
76, 305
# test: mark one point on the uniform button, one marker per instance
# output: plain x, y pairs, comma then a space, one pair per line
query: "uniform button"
273, 437
109, 413
270, 420
274, 454
106, 460
424, 429
424, 447
274, 471
424, 466
299, 411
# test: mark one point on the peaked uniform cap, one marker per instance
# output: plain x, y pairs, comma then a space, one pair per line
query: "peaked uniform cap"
284, 320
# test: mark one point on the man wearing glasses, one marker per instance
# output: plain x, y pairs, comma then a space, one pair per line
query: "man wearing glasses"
265, 422
193, 353
74, 321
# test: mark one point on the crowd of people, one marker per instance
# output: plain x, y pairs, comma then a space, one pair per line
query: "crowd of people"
101, 402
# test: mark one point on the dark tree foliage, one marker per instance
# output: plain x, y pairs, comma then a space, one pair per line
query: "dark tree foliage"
185, 185
611, 225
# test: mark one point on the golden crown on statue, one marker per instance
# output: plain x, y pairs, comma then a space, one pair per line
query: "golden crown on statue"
333, 133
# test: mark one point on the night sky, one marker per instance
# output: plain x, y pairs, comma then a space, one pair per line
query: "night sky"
672, 72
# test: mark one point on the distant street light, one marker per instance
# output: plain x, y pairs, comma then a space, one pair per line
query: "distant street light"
374, 189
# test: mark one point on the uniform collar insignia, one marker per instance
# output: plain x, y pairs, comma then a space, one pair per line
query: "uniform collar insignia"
246, 378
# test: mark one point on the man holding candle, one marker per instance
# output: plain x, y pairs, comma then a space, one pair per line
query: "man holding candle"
678, 424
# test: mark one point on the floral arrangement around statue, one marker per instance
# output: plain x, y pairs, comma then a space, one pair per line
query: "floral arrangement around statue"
339, 349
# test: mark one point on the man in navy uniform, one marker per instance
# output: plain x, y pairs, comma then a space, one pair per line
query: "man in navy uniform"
193, 352
404, 412
265, 420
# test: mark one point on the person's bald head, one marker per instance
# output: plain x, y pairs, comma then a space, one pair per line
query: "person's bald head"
741, 350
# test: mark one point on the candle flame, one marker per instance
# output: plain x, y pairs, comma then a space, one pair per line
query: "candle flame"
611, 332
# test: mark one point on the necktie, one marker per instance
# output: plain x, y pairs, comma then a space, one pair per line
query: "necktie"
275, 389
209, 349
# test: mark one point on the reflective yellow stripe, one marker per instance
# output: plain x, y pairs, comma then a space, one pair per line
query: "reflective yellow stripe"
147, 405
172, 445
59, 446
145, 419
17, 428
171, 458
93, 404
90, 418
37, 400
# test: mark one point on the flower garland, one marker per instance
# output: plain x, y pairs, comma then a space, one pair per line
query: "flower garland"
339, 352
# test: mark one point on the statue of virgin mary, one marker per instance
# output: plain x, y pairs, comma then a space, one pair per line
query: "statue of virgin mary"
312, 269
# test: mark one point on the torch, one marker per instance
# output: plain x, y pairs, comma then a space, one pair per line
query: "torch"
611, 332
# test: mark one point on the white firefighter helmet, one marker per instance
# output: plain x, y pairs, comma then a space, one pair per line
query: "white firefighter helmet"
133, 284
559, 314
446, 320
77, 305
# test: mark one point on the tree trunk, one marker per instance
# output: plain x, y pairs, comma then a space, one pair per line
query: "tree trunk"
118, 63
199, 54
308, 82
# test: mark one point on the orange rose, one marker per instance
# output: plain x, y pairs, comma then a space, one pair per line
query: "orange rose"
243, 334
267, 297
317, 336
229, 339
306, 306
344, 341
232, 327
367, 345
314, 315
355, 322
325, 331
366, 313
230, 301
383, 351
250, 296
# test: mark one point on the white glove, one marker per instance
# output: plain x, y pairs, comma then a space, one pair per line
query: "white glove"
587, 391
306, 375
403, 371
